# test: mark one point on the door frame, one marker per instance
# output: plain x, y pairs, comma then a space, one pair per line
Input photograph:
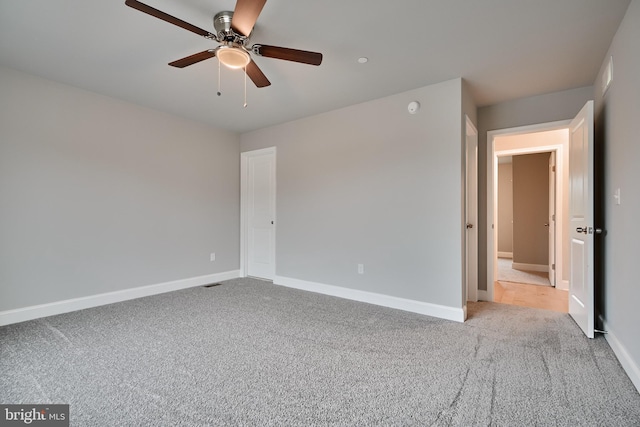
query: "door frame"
471, 212
552, 222
492, 191
244, 205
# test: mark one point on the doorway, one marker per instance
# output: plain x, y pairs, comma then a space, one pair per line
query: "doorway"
526, 218
549, 142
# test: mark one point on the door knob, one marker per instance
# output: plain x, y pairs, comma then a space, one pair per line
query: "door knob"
546, 224
581, 230
469, 225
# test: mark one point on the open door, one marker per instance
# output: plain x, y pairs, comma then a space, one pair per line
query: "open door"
551, 221
581, 227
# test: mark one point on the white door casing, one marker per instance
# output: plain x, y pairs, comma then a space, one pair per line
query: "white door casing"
551, 221
581, 216
258, 200
471, 212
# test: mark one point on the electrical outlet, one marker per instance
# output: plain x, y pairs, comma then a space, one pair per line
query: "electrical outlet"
212, 257
360, 268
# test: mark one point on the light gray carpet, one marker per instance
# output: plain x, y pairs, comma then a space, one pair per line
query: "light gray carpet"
508, 274
252, 353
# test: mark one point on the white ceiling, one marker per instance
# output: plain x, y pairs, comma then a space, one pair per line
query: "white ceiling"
505, 49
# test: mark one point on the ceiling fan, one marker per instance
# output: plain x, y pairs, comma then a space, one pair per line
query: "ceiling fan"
232, 32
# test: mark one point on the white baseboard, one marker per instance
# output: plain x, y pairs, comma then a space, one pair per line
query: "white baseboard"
529, 267
562, 285
428, 309
483, 295
58, 307
629, 365
505, 254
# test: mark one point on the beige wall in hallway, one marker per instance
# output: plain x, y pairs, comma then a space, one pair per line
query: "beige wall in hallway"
531, 209
505, 208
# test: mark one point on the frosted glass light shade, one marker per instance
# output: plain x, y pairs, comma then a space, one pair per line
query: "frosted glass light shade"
233, 57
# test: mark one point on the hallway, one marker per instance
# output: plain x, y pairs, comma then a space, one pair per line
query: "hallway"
535, 296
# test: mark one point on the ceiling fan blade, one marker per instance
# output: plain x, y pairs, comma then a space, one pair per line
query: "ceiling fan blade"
295, 55
195, 58
168, 18
245, 15
256, 75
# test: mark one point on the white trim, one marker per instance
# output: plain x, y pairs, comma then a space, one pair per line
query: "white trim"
470, 215
435, 310
530, 267
482, 295
58, 307
562, 284
243, 215
244, 160
628, 364
505, 255
492, 160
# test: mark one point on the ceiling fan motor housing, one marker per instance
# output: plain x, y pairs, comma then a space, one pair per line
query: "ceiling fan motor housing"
222, 24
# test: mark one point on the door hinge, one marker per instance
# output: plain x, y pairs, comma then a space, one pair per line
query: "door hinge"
553, 217
553, 266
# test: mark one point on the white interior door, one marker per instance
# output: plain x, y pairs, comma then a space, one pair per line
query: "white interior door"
471, 210
552, 218
259, 212
581, 210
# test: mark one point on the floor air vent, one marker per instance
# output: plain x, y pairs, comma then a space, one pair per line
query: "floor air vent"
212, 285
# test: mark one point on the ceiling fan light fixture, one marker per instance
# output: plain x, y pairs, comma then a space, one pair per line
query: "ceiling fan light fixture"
233, 57
232, 31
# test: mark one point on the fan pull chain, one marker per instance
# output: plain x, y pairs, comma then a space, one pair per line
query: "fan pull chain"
219, 90
245, 87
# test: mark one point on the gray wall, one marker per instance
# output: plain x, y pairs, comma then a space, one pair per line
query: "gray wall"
527, 111
99, 195
375, 185
617, 143
531, 209
505, 207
